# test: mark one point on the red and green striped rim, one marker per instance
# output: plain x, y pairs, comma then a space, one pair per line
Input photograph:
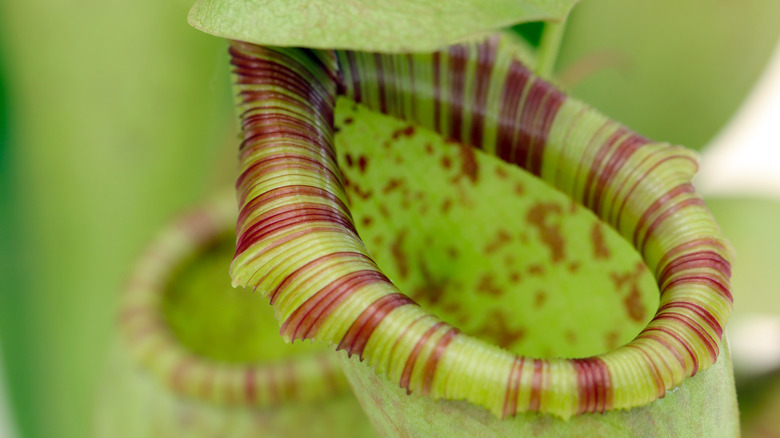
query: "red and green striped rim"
153, 344
298, 245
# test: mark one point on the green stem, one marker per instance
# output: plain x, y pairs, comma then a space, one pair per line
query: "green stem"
549, 46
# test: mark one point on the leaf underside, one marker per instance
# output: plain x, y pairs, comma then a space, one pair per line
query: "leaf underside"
373, 25
299, 245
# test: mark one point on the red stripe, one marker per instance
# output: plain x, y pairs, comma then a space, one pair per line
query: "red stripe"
380, 83
309, 317
513, 387
437, 92
536, 386
647, 333
596, 165
515, 84
291, 216
699, 311
458, 56
486, 54
412, 87
433, 360
695, 328
406, 375
355, 339
644, 177
547, 110
710, 259
659, 381
347, 257
662, 201
687, 246
250, 388
355, 74
291, 190
699, 279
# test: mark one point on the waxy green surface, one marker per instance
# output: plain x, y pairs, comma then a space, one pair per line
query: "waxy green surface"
371, 25
487, 246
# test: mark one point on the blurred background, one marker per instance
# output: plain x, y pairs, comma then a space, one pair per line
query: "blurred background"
115, 115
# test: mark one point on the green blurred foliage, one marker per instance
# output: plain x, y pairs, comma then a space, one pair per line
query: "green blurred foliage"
120, 117
672, 70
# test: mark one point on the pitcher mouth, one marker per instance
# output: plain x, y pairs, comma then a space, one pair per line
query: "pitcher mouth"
147, 333
297, 242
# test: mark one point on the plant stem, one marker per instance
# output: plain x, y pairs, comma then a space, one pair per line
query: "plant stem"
549, 46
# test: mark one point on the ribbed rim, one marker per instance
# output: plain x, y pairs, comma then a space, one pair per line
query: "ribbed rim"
298, 244
150, 341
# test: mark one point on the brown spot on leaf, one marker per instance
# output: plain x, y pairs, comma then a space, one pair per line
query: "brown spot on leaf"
600, 249
384, 211
502, 238
431, 290
362, 163
486, 285
348, 158
469, 166
497, 329
366, 221
396, 249
570, 336
501, 173
446, 162
348, 121
539, 217
407, 131
509, 260
452, 252
574, 267
446, 205
540, 297
519, 189
634, 305
536, 270
612, 340
392, 184
429, 149
515, 277
363, 194
633, 300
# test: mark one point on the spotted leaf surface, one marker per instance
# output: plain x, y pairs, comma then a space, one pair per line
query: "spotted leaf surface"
299, 244
487, 246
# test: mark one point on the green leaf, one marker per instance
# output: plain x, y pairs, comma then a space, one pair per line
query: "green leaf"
373, 25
